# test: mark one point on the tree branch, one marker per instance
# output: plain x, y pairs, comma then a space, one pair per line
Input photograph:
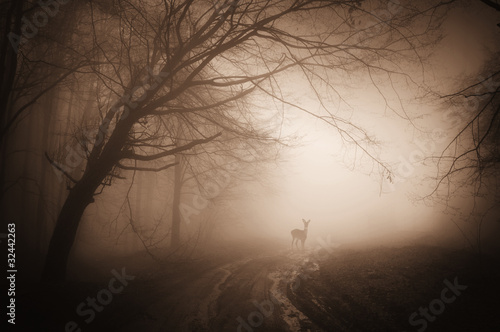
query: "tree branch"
53, 163
131, 155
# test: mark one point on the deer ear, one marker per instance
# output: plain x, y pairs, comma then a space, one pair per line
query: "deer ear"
303, 220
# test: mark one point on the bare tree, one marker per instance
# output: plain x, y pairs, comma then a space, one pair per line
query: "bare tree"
148, 58
245, 140
468, 165
36, 65
467, 168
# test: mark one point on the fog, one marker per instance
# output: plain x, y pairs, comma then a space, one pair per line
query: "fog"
184, 141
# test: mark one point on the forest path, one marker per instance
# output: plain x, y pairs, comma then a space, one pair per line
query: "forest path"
270, 288
246, 294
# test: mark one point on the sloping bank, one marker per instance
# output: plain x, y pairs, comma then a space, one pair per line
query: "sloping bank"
416, 288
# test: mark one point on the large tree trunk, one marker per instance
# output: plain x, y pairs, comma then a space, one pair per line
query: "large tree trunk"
80, 196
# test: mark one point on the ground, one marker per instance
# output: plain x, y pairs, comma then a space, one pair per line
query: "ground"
268, 287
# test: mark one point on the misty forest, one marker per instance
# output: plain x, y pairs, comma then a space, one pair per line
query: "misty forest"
250, 165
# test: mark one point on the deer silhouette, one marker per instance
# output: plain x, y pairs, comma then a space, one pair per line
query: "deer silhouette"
299, 234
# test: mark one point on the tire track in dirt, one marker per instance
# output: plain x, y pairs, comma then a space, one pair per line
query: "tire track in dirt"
245, 291
246, 295
289, 279
254, 297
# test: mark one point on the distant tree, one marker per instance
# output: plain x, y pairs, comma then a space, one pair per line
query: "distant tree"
468, 167
36, 64
206, 168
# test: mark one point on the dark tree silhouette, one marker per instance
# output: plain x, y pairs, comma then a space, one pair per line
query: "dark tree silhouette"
152, 63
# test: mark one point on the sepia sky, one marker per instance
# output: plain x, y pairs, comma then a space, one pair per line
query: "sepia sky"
318, 180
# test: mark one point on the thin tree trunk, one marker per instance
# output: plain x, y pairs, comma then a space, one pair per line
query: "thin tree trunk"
8, 67
46, 189
8, 57
176, 216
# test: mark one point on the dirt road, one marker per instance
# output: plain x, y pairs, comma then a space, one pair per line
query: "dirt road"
275, 289
244, 295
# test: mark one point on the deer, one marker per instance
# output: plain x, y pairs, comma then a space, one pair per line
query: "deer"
299, 234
